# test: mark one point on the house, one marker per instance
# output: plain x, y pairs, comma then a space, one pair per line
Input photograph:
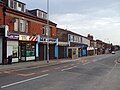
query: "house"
26, 33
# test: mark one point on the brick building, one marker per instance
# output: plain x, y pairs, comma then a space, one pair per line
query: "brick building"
26, 32
77, 43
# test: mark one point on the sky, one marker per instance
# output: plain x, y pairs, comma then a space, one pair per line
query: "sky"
100, 18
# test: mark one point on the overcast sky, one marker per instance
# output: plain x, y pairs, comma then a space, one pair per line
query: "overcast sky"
100, 18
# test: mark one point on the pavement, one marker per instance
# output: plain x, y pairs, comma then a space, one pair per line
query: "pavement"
21, 65
34, 64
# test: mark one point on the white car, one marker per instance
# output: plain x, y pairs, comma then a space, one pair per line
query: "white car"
113, 52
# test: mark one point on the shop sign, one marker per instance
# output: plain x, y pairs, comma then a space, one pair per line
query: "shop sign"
12, 36
28, 38
62, 43
46, 40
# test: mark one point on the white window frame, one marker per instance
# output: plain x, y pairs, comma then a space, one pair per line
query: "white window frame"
22, 28
16, 24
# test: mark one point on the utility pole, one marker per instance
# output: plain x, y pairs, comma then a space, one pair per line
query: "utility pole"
48, 31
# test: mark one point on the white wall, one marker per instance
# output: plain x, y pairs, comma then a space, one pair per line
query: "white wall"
10, 48
0, 50
85, 41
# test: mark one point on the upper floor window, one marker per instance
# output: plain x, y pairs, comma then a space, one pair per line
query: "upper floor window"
16, 25
16, 5
46, 31
68, 37
21, 25
41, 14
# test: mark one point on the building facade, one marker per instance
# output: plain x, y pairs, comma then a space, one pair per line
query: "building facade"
77, 43
23, 30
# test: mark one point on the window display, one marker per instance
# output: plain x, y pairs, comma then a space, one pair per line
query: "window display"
30, 50
15, 52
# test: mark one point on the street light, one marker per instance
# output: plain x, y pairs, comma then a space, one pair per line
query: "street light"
47, 29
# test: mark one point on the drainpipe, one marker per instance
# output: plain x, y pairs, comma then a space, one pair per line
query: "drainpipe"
4, 40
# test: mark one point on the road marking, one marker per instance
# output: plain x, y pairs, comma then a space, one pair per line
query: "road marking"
86, 63
112, 69
5, 86
26, 74
45, 71
68, 68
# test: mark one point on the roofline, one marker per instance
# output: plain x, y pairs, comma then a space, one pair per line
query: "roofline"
29, 15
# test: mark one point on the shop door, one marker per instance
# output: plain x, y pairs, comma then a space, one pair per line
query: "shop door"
42, 52
61, 52
52, 52
69, 53
79, 52
23, 52
0, 50
84, 52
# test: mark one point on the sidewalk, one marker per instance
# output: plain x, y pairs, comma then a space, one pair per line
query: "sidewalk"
33, 64
21, 65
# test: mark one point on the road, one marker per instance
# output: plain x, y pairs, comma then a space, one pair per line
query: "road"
92, 73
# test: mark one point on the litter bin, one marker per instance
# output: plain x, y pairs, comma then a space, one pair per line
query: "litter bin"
10, 59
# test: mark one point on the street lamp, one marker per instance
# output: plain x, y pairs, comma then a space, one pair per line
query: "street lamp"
48, 30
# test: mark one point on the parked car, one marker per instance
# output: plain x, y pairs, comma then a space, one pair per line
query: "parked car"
113, 52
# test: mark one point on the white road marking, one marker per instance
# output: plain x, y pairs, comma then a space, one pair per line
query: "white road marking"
86, 63
5, 86
68, 68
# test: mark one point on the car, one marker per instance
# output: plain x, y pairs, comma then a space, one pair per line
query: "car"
113, 52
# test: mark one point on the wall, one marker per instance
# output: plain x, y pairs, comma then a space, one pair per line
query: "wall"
1, 15
62, 35
85, 41
35, 25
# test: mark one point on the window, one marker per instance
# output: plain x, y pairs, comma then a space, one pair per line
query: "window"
47, 31
16, 5
16, 25
11, 3
68, 37
73, 38
44, 31
22, 26
26, 27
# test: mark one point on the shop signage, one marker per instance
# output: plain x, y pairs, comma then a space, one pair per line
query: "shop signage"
63, 43
28, 38
12, 36
46, 40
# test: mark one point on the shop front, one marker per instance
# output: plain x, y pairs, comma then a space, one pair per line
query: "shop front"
84, 50
43, 48
27, 48
62, 50
78, 47
12, 46
73, 52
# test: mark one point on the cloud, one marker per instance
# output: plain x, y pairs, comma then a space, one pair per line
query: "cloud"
98, 17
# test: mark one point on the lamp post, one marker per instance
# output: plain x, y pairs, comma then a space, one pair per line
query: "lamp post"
48, 31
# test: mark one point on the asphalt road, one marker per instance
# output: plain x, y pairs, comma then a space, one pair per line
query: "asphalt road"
93, 73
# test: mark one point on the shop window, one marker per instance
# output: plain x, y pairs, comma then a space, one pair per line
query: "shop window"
74, 51
30, 50
15, 52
